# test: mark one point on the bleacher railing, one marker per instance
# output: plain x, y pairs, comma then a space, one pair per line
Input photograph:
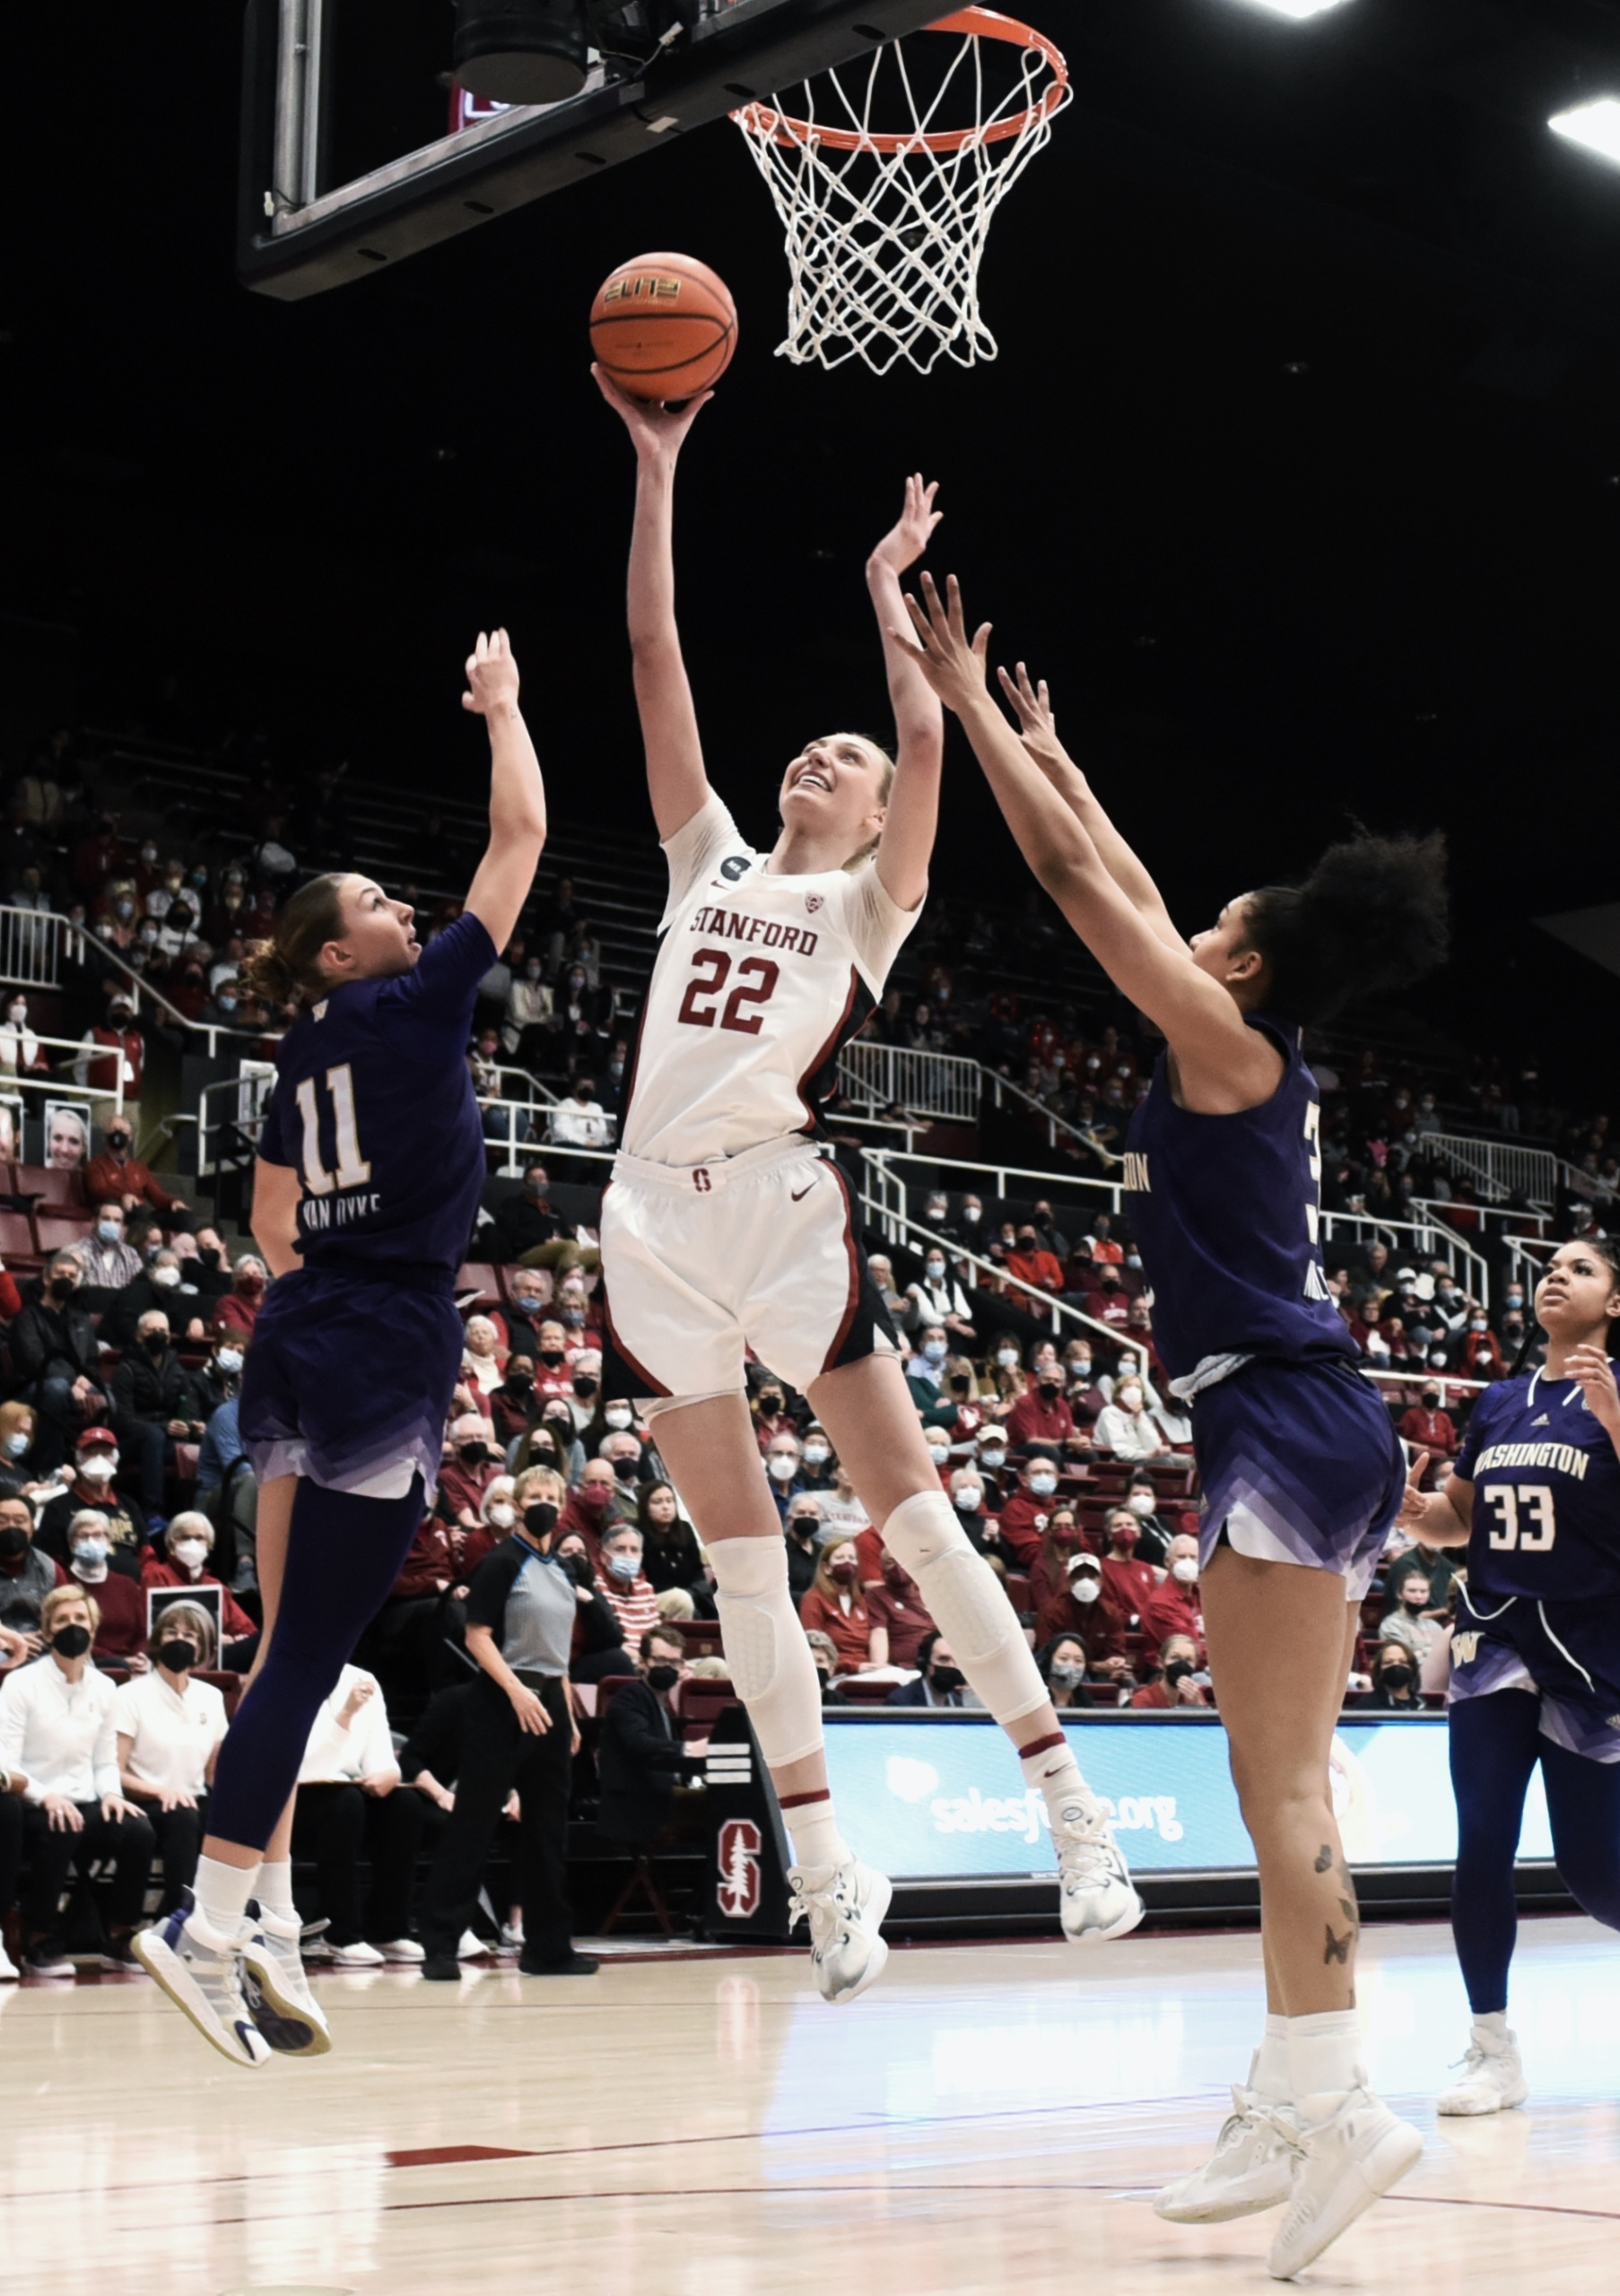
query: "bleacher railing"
36, 945
883, 1200
1500, 1168
937, 1084
1002, 1088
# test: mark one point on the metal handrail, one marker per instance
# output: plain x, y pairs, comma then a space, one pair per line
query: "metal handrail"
1049, 1181
1054, 1122
940, 1085
29, 935
898, 1225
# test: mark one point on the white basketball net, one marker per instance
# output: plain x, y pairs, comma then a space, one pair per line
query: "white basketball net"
884, 229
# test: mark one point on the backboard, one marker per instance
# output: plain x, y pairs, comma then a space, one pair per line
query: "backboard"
299, 233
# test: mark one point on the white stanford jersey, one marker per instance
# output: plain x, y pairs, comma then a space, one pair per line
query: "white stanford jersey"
759, 981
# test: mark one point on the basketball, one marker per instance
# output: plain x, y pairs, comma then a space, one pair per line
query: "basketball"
662, 326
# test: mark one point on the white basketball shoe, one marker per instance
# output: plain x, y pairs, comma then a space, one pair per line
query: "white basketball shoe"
844, 1906
1096, 1896
276, 1989
200, 1969
1250, 2168
1492, 2076
1346, 2161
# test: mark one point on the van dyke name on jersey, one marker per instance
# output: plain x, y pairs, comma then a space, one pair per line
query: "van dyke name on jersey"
734, 925
1561, 1456
1133, 1177
338, 1211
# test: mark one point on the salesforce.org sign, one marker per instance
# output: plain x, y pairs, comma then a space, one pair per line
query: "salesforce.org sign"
941, 1794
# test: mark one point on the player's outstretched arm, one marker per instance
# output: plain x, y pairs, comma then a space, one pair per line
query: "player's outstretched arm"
1223, 1065
1039, 731
907, 843
676, 779
506, 873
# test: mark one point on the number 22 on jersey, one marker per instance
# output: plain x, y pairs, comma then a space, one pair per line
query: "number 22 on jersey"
756, 979
352, 1171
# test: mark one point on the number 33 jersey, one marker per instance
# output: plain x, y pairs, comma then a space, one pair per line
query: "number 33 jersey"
374, 1108
759, 982
1546, 1496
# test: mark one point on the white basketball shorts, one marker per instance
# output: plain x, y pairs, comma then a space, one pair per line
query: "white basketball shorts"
702, 1262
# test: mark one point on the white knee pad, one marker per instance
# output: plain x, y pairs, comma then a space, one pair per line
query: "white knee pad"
966, 1601
765, 1648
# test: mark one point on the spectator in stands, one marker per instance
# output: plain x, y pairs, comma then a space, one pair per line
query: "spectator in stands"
1154, 1531
1032, 1262
160, 1286
1068, 1663
27, 1575
1478, 1352
1061, 1540
940, 1681
924, 1370
835, 1604
110, 1260
170, 1728
153, 1407
188, 1547
826, 1656
818, 1469
1105, 1250
623, 1449
518, 1731
881, 1269
899, 1619
640, 1758
238, 1311
805, 1527
784, 1457
514, 1406
113, 1052
1176, 1684
622, 1584
1080, 1603
1126, 1427
95, 1467
769, 1412
1414, 1619
348, 1808
1173, 1607
939, 1302
1435, 1565
527, 1004
578, 1120
220, 1378
532, 1232
481, 1362
671, 1559
1426, 1426
209, 1271
525, 1319
1042, 1415
120, 1599
17, 1447
53, 1354
1395, 1672
1022, 1521
56, 1732
22, 1054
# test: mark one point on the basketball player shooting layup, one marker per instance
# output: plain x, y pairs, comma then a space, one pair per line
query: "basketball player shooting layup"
727, 1228
369, 1169
1301, 1470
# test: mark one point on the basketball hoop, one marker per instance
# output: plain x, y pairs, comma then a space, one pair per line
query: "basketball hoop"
886, 227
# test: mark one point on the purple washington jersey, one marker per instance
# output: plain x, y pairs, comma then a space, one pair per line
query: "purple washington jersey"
1226, 1211
374, 1107
1546, 1496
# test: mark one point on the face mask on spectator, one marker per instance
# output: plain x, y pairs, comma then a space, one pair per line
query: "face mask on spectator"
16, 1444
1477, 1322
816, 1455
845, 1573
934, 1351
625, 1469
1133, 1259
663, 1676
177, 1654
585, 1385
13, 1542
109, 1230
62, 1286
782, 1466
540, 1518
250, 1280
934, 1269
70, 1641
1185, 1568
618, 1414
90, 1554
100, 1467
593, 1497
946, 1678
1044, 1482
1141, 1503
971, 1213
572, 1317
969, 1497
1067, 1675
192, 1553
1431, 1398
1398, 1677
624, 1566
1007, 1357
473, 1454
551, 1357
1049, 1389
1177, 1672
1084, 1586
992, 1457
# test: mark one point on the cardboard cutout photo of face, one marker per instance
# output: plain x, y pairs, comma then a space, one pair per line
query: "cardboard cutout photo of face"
66, 1136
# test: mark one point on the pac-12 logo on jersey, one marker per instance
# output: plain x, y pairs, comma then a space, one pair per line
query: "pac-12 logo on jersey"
813, 901
737, 1853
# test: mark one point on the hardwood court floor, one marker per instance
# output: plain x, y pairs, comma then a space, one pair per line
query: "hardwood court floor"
985, 2122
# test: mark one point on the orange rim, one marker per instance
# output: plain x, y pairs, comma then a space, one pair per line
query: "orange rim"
977, 24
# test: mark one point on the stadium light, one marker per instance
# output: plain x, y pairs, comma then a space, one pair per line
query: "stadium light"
1296, 9
1596, 125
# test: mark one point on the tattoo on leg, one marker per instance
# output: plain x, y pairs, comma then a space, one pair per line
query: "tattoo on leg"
1324, 1859
1347, 1905
1337, 1948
